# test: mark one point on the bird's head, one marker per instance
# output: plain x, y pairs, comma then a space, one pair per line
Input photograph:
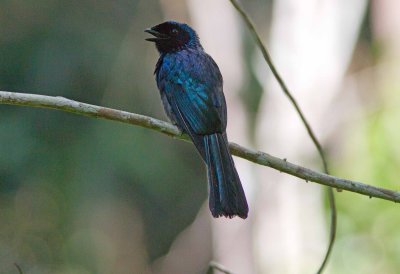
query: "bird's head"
173, 36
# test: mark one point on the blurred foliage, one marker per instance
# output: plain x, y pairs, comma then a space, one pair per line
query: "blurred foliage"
60, 172
368, 240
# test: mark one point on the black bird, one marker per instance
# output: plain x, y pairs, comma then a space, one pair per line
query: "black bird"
190, 85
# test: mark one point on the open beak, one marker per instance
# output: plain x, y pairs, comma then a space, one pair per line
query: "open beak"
157, 35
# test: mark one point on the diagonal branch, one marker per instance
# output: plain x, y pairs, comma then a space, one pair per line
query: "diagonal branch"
258, 157
285, 89
216, 266
280, 81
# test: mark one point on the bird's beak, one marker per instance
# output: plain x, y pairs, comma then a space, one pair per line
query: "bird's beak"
157, 35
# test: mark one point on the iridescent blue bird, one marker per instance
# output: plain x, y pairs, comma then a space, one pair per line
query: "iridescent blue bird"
190, 85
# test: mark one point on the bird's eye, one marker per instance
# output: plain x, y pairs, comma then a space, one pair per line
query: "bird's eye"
174, 31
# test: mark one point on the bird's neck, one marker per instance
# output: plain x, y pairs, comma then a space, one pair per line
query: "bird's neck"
163, 50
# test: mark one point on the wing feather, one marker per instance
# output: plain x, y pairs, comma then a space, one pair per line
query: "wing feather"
196, 94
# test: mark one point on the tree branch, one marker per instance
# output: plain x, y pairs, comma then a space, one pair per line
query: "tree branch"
18, 268
214, 265
258, 157
282, 84
285, 89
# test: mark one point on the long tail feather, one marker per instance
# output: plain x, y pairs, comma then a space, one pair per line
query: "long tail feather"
227, 197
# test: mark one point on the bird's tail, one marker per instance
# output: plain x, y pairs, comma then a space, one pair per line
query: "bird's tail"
227, 197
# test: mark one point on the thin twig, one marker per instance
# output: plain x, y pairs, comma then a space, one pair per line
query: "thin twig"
310, 132
258, 157
332, 233
282, 84
214, 265
18, 268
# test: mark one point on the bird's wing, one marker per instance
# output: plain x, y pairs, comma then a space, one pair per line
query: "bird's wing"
196, 98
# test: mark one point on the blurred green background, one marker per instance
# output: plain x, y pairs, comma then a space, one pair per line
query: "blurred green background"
65, 178
80, 195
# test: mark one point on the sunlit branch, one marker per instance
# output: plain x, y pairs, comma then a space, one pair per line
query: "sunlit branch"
258, 157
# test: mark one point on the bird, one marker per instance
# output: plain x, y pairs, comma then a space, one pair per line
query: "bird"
191, 89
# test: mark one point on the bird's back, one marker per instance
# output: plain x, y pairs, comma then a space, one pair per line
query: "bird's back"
191, 84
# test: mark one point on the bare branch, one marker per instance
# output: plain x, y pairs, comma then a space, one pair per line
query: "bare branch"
285, 89
18, 268
214, 265
280, 81
258, 157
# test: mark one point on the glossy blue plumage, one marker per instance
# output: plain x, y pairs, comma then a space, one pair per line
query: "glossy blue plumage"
191, 80
191, 89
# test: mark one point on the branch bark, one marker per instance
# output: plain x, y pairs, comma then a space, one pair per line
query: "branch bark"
258, 157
